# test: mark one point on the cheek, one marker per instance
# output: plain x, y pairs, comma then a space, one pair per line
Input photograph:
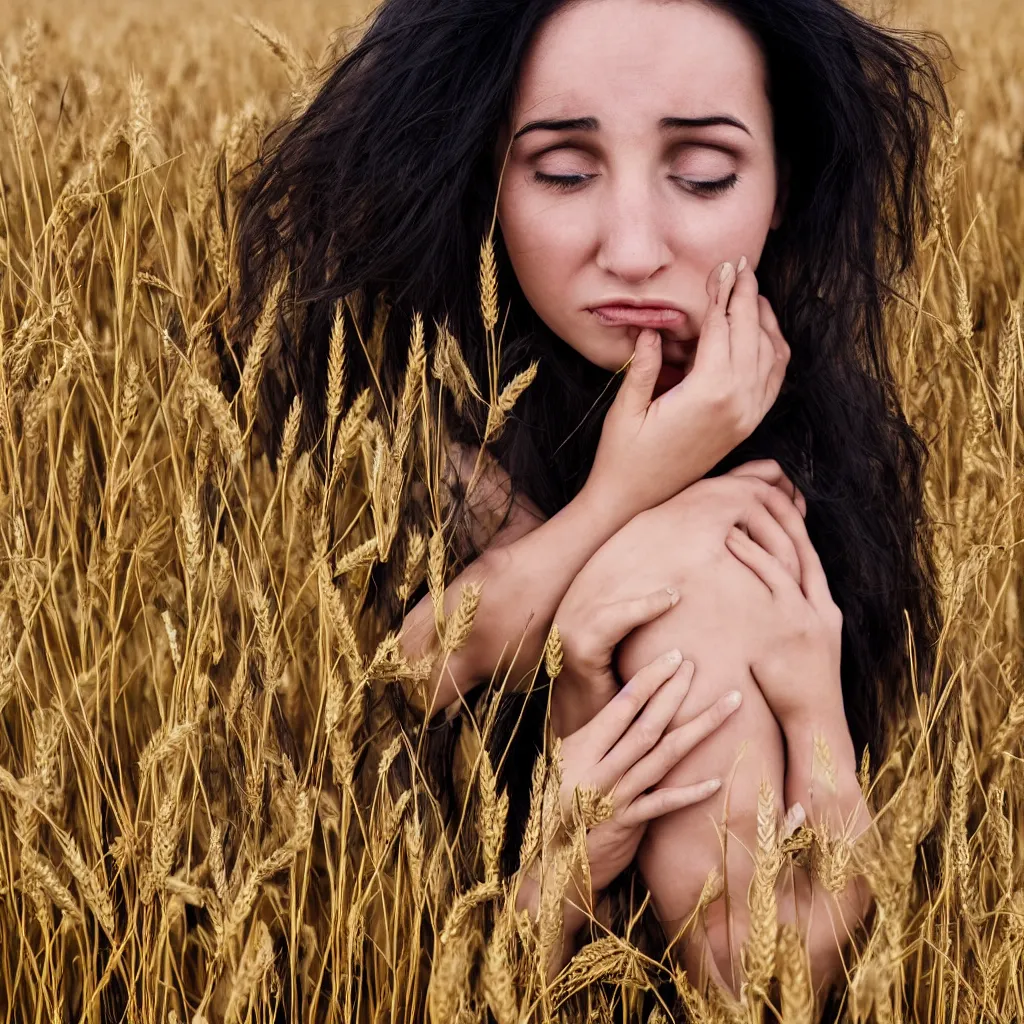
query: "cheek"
729, 228
706, 235
546, 242
539, 227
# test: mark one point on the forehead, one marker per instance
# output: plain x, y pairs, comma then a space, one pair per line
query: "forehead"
634, 57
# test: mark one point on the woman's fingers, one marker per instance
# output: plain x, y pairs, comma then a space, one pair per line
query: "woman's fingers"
813, 581
664, 801
795, 817
744, 321
772, 473
712, 355
763, 527
605, 729
762, 564
675, 745
619, 619
770, 323
780, 352
671, 683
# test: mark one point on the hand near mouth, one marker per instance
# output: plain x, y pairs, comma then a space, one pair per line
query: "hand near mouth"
654, 445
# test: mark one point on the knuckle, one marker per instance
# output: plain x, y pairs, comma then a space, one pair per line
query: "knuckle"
805, 628
649, 731
715, 715
632, 701
762, 489
646, 734
781, 505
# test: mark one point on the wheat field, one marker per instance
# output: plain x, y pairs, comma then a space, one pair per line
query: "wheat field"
200, 816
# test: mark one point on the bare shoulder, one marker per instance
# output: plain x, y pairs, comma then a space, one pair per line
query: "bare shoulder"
488, 497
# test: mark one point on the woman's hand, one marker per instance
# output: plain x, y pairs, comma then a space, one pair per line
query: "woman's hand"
592, 619
754, 497
651, 450
624, 758
799, 669
588, 632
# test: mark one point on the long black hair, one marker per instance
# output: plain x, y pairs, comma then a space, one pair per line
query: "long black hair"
384, 187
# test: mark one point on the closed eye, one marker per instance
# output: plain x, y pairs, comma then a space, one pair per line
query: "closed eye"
708, 188
568, 182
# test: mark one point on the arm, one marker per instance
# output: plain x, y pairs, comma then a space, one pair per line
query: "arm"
807, 903
573, 917
823, 921
524, 581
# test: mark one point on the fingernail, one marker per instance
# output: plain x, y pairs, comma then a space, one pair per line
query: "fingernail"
733, 699
673, 595
674, 656
795, 817
742, 263
711, 785
723, 273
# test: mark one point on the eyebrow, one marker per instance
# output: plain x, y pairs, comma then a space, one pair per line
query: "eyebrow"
591, 124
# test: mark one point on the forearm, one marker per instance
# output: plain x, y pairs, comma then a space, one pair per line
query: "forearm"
828, 789
811, 777
573, 919
522, 585
822, 922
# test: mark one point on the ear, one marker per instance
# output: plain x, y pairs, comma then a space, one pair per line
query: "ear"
781, 194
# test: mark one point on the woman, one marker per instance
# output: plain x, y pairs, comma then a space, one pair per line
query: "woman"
632, 148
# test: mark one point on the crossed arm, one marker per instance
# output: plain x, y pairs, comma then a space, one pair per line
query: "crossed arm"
725, 615
528, 567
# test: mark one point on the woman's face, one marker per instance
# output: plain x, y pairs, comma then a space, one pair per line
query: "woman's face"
641, 158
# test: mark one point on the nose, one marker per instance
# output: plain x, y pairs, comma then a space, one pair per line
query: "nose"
632, 244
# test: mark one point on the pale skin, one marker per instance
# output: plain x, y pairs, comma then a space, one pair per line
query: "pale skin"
694, 525
655, 118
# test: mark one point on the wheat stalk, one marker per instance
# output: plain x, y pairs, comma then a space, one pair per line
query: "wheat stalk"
488, 284
759, 952
794, 978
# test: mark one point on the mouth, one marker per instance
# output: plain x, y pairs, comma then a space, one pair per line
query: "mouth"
638, 316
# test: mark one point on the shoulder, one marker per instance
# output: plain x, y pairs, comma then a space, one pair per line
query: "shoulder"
488, 489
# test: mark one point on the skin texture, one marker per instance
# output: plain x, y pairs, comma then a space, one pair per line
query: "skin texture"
636, 226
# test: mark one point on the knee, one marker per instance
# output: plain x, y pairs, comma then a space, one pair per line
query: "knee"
720, 621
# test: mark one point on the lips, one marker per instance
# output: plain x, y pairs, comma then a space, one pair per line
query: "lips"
638, 316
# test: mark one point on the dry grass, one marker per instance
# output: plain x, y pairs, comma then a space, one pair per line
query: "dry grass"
185, 652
